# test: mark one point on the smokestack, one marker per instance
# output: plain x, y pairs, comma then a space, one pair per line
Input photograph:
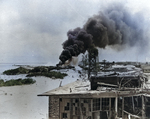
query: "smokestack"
111, 27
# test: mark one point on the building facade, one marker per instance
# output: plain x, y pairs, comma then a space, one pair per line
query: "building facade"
115, 95
96, 104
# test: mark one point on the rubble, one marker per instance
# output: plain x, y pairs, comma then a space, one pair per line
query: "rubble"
120, 91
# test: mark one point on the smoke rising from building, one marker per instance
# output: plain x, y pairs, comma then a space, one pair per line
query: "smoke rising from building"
112, 26
78, 42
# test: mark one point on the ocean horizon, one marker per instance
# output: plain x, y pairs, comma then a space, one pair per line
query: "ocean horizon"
7, 66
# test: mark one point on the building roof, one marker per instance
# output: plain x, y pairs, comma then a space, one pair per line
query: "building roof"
78, 86
81, 89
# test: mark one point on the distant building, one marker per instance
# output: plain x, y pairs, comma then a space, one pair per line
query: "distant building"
103, 97
146, 68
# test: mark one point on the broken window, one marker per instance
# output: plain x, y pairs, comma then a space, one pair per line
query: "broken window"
89, 117
60, 99
75, 107
85, 100
67, 106
84, 111
105, 103
96, 104
89, 105
100, 104
76, 100
64, 115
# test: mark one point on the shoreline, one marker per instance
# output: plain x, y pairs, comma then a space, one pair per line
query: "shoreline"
22, 102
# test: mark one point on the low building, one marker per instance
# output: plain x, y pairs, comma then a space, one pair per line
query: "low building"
146, 68
76, 101
103, 97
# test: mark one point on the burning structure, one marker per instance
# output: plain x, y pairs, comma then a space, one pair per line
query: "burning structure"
115, 27
121, 92
115, 92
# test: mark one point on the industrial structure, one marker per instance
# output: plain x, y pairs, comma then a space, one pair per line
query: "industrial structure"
116, 92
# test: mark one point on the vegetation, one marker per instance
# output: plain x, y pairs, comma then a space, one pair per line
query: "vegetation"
19, 81
39, 71
16, 71
49, 68
52, 74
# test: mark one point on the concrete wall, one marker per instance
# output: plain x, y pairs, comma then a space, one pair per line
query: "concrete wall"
67, 108
53, 108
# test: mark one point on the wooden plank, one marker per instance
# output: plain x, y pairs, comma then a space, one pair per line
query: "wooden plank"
135, 116
143, 108
107, 84
116, 104
122, 107
109, 108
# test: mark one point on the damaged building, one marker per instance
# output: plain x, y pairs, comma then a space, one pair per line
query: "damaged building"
119, 92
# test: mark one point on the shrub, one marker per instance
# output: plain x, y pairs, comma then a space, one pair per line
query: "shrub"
1, 82
16, 71
48, 74
28, 81
19, 81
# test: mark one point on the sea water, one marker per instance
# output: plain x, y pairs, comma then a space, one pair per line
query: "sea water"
22, 102
7, 66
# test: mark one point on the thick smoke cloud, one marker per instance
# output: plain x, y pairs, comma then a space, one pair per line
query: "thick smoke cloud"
78, 42
114, 27
111, 27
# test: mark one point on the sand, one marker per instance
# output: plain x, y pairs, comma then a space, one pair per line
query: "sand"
22, 102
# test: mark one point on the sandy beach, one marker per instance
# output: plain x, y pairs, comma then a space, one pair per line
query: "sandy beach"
22, 102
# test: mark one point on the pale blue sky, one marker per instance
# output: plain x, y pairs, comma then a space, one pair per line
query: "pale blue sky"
33, 31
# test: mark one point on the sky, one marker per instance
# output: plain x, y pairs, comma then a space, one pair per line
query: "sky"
33, 31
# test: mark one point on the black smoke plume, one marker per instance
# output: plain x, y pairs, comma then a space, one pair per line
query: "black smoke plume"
78, 42
110, 27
